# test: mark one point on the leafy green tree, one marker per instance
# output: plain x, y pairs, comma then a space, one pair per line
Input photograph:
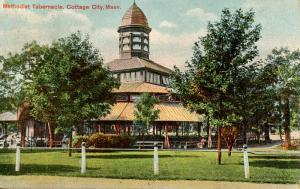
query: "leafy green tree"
144, 112
286, 66
207, 86
66, 82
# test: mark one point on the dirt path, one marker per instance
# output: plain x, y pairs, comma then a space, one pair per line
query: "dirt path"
54, 182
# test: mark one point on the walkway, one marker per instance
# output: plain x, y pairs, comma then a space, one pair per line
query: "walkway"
54, 182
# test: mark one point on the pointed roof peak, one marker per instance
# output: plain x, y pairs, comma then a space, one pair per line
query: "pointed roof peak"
134, 16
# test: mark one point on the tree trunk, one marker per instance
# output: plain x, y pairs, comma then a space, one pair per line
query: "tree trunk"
22, 136
209, 142
70, 144
287, 130
245, 133
267, 132
50, 135
280, 131
280, 125
230, 149
219, 145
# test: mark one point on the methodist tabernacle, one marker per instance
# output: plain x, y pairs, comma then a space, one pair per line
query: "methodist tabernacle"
137, 74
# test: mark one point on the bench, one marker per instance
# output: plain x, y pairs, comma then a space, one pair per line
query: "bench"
184, 144
149, 144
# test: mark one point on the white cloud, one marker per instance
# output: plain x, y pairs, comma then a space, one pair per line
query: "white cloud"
170, 49
201, 14
167, 24
107, 41
23, 26
266, 44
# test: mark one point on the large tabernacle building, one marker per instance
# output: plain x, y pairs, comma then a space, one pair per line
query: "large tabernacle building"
138, 74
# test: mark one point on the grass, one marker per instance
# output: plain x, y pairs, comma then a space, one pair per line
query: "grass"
275, 168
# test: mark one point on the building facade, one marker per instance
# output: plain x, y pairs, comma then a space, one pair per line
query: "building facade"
139, 74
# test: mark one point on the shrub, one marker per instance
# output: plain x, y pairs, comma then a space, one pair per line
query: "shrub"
78, 139
99, 140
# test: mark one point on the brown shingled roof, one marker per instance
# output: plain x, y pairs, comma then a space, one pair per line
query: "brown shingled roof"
134, 16
140, 87
136, 62
123, 111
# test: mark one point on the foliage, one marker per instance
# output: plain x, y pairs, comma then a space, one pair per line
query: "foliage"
99, 140
286, 66
230, 134
78, 139
144, 112
208, 85
65, 82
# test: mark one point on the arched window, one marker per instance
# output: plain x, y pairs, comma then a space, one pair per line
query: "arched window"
146, 41
126, 47
125, 40
146, 48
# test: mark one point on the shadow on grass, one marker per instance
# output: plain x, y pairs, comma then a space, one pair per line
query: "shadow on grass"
274, 157
9, 169
128, 156
280, 164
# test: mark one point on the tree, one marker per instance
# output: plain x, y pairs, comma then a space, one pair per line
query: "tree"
229, 134
286, 66
66, 82
145, 113
208, 84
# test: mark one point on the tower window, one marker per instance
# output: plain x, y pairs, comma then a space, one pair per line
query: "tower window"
146, 41
126, 47
137, 46
146, 48
136, 39
136, 33
125, 40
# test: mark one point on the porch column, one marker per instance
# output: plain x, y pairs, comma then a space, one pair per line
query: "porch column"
167, 142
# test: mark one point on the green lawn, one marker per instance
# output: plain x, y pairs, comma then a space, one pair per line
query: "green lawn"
278, 168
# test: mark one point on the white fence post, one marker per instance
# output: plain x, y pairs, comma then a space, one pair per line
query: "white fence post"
83, 158
246, 162
156, 169
18, 157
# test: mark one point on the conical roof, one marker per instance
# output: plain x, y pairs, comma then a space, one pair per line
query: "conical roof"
134, 16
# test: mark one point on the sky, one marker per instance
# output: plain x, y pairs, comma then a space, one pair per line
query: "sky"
176, 25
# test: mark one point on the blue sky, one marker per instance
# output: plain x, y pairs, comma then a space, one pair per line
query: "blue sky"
176, 24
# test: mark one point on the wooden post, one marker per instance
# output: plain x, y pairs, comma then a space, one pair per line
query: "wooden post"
246, 162
18, 158
83, 158
155, 159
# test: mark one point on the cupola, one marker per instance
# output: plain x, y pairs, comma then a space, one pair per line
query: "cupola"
134, 34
